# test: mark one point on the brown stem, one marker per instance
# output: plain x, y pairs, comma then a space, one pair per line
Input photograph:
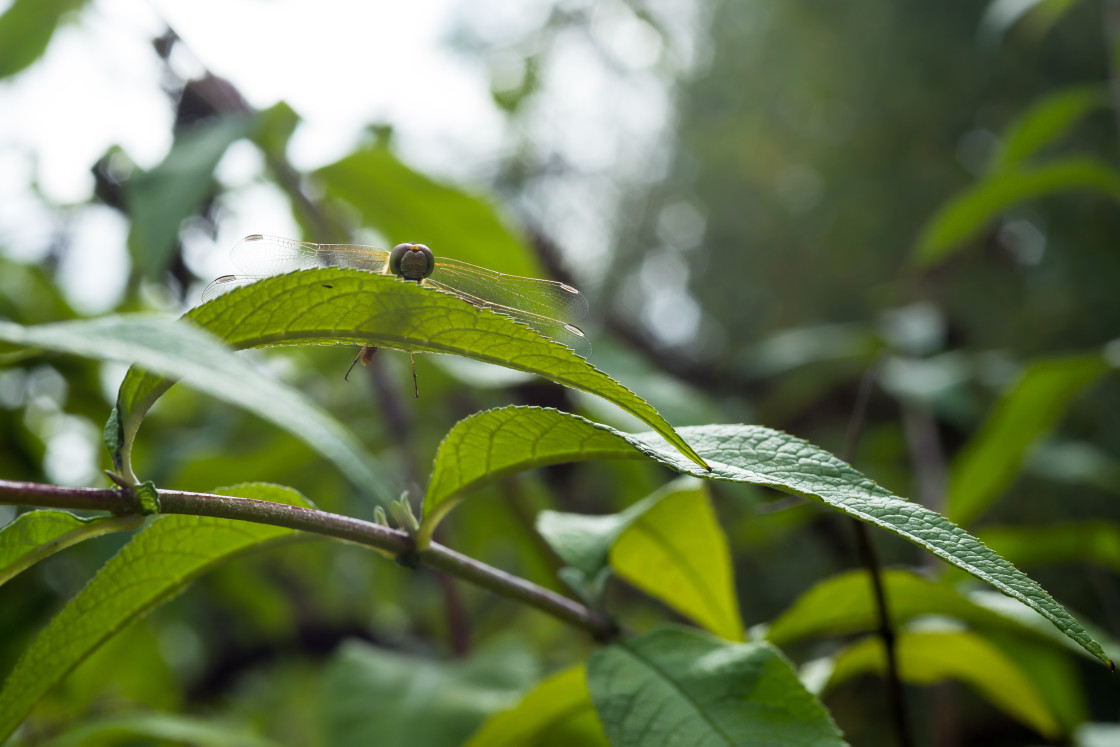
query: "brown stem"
322, 523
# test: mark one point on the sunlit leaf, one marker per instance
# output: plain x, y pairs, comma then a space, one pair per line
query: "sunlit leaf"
1047, 121
925, 658
159, 200
177, 349
407, 206
760, 456
373, 696
1053, 672
1075, 462
558, 712
26, 28
965, 215
844, 604
158, 563
1028, 410
38, 534
677, 552
333, 306
1064, 542
650, 690
584, 542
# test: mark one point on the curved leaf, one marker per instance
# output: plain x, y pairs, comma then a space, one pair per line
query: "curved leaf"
1061, 542
154, 566
651, 690
677, 552
159, 200
926, 658
39, 534
26, 28
1046, 121
557, 711
178, 349
751, 454
333, 305
584, 542
406, 205
966, 214
844, 604
375, 696
1028, 409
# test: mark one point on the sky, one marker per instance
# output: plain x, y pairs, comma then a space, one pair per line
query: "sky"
342, 65
388, 60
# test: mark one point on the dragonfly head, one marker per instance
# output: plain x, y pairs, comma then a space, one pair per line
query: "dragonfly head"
412, 261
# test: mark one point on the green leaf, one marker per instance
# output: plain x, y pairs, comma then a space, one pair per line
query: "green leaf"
274, 128
925, 658
163, 727
1066, 542
405, 205
675, 686
27, 27
966, 214
584, 542
1046, 121
1028, 410
490, 445
557, 712
1075, 462
158, 563
760, 456
372, 696
159, 200
36, 535
677, 552
177, 349
333, 305
844, 604
1037, 16
1054, 673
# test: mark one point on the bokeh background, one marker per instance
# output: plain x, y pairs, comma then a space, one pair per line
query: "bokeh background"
761, 199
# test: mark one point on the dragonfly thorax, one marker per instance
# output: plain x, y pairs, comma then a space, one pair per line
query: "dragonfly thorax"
412, 261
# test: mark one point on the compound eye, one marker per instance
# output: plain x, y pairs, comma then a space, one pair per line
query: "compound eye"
412, 261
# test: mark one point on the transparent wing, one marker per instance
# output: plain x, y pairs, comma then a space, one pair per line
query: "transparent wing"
543, 298
271, 255
227, 283
562, 332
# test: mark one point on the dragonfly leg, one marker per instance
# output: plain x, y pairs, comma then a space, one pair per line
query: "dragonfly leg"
415, 384
365, 355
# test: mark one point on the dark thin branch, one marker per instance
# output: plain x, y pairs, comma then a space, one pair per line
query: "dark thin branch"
323, 523
867, 555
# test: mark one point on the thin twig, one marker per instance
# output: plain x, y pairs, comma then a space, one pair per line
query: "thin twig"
322, 523
867, 555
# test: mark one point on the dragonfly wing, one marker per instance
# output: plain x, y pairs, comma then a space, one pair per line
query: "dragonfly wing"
226, 283
564, 333
272, 255
482, 287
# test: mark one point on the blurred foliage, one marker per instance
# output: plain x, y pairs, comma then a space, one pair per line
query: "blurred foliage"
924, 190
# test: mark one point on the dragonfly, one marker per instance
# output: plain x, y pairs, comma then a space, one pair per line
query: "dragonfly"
547, 306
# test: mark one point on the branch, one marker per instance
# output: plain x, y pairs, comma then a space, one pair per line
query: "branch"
316, 522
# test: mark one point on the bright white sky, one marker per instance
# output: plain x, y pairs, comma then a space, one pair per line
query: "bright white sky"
342, 65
